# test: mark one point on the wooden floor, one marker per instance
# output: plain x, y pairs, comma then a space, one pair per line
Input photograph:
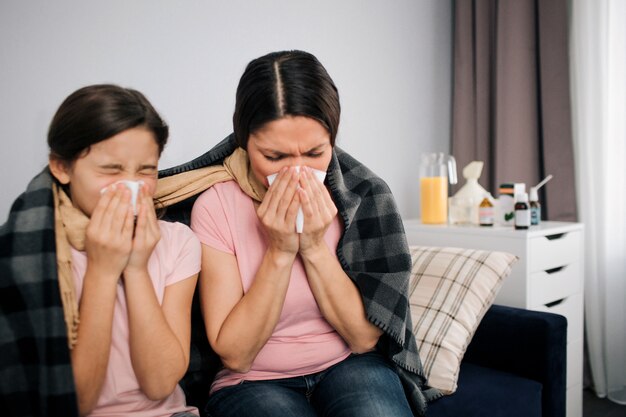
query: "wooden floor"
601, 407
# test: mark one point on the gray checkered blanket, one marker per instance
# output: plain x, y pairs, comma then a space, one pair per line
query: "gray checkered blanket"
372, 250
35, 369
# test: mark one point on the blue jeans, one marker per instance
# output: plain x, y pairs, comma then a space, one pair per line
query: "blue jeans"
363, 385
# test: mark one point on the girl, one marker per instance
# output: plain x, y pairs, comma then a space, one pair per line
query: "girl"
126, 279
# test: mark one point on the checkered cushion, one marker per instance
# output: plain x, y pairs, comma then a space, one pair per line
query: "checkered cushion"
450, 290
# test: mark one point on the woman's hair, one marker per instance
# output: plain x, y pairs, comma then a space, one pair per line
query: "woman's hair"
96, 113
279, 84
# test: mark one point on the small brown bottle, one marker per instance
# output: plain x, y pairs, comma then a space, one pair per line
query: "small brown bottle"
486, 212
522, 211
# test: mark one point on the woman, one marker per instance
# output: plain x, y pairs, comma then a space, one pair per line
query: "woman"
126, 279
310, 323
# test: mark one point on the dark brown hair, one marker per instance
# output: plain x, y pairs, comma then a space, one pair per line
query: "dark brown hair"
279, 84
96, 113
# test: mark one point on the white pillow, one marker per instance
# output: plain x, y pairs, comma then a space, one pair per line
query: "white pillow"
450, 290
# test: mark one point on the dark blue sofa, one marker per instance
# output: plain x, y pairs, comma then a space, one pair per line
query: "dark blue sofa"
514, 367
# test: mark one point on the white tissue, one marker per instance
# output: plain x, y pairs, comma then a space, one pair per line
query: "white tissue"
133, 186
321, 175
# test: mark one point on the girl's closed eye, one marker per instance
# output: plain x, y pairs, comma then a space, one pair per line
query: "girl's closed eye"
111, 169
149, 171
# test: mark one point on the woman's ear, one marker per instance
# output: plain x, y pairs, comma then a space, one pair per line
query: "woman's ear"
60, 170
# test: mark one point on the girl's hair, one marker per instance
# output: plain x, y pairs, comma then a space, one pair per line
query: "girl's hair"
96, 113
279, 84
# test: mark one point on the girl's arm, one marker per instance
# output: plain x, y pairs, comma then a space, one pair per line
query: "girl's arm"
108, 245
90, 355
336, 294
159, 335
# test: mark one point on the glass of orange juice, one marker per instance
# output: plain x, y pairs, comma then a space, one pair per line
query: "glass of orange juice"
436, 171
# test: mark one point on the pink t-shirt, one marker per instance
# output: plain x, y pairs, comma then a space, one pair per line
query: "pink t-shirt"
303, 342
176, 257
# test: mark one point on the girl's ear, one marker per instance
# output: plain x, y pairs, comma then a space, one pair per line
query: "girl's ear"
60, 170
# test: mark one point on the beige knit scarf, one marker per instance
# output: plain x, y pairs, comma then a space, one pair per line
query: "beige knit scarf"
236, 166
71, 223
69, 229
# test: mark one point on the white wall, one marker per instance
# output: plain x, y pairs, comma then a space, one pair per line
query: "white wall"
390, 60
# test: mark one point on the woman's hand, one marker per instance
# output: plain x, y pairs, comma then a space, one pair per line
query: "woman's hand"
147, 233
278, 211
318, 208
109, 234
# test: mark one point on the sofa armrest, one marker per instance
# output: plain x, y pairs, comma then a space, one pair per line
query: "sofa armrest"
527, 343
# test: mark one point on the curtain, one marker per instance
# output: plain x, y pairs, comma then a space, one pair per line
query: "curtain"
511, 102
598, 51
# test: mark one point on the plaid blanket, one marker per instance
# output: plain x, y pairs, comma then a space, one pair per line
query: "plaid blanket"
35, 368
372, 250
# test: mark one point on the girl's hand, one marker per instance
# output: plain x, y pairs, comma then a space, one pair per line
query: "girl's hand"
278, 210
147, 233
318, 208
109, 234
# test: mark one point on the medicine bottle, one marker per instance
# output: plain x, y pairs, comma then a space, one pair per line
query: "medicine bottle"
535, 207
486, 214
522, 211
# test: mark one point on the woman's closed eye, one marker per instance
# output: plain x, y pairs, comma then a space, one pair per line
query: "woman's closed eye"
274, 158
278, 157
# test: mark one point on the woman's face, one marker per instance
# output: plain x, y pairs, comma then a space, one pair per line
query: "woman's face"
130, 155
290, 141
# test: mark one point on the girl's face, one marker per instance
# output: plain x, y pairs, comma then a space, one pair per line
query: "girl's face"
130, 155
290, 141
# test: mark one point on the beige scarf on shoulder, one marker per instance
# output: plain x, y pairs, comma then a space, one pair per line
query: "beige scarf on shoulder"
71, 223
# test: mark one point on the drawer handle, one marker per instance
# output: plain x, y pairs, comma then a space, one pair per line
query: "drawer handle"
554, 303
554, 270
555, 236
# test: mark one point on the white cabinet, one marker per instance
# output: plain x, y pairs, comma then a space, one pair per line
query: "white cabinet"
547, 277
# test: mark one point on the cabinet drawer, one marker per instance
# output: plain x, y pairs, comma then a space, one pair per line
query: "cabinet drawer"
572, 308
552, 251
554, 284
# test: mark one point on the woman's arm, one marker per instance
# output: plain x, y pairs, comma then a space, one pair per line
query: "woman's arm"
238, 325
337, 296
339, 299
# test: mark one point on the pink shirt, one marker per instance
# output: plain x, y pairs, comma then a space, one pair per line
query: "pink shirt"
303, 342
175, 258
